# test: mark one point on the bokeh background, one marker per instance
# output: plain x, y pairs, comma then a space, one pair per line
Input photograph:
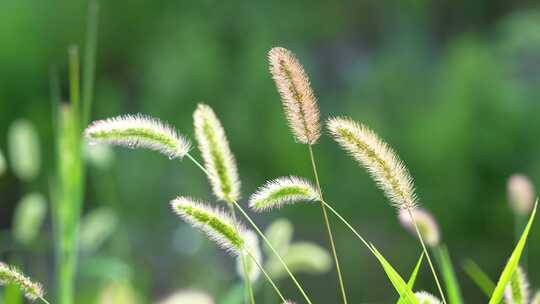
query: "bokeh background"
453, 86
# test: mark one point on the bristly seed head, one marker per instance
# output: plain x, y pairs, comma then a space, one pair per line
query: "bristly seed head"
10, 275
296, 94
218, 158
277, 192
138, 131
429, 229
517, 290
426, 298
215, 223
381, 161
520, 194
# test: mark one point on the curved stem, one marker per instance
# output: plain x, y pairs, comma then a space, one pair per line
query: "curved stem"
267, 276
44, 301
347, 224
274, 251
328, 228
261, 234
247, 279
427, 255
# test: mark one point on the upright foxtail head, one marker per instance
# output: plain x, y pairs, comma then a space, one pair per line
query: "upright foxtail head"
138, 131
520, 194
283, 190
517, 291
378, 158
298, 99
426, 224
10, 275
218, 159
426, 298
215, 223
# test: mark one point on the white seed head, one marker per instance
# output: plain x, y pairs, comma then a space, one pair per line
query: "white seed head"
10, 275
378, 158
426, 224
252, 244
218, 158
298, 99
188, 297
283, 190
288, 302
138, 131
517, 290
426, 298
520, 194
218, 225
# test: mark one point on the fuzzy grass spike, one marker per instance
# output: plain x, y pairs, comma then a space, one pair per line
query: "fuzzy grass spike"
296, 94
138, 131
283, 190
10, 275
218, 158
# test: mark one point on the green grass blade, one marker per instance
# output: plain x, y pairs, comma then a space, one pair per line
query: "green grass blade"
396, 280
90, 60
479, 277
449, 275
412, 278
513, 262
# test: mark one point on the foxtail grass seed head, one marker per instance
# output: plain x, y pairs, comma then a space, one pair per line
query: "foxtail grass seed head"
215, 223
10, 275
188, 297
283, 190
252, 244
218, 158
517, 290
138, 131
24, 149
520, 194
289, 302
378, 158
298, 99
426, 224
426, 298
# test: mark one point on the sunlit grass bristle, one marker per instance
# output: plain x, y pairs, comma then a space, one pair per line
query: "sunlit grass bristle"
138, 131
426, 223
11, 275
218, 158
215, 223
426, 298
283, 190
517, 291
378, 158
298, 99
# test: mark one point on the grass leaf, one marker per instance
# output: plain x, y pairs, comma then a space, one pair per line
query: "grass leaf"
513, 262
479, 277
397, 281
412, 278
449, 275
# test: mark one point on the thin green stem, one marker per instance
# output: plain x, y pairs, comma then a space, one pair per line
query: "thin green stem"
90, 60
247, 278
44, 301
267, 276
261, 234
74, 79
427, 255
328, 228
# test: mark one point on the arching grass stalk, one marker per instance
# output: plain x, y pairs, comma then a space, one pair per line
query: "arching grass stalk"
266, 275
261, 234
328, 228
427, 255
247, 277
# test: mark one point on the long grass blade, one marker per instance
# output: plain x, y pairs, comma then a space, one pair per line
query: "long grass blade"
412, 278
479, 277
513, 262
449, 275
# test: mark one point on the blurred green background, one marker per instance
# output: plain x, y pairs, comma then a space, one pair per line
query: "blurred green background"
453, 86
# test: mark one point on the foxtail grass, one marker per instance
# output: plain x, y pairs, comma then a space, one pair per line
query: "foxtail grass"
302, 112
385, 168
11, 275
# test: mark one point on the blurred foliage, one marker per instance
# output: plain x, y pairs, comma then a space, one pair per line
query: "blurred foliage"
452, 86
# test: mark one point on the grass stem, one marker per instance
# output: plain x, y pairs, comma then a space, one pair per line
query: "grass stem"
427, 256
328, 228
267, 276
261, 234
247, 278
